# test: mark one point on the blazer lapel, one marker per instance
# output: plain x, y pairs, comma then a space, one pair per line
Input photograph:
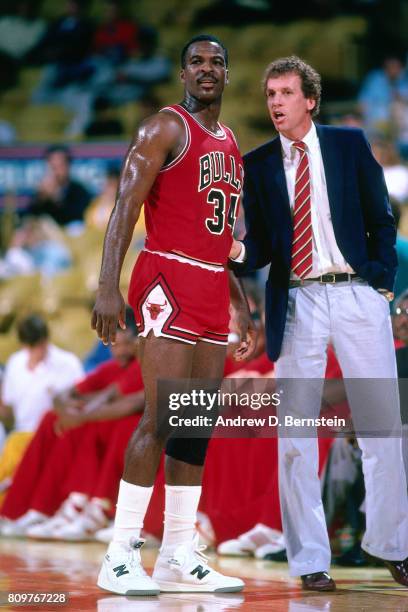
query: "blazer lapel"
279, 201
275, 163
333, 169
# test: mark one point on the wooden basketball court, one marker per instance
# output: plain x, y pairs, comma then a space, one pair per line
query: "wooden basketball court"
71, 569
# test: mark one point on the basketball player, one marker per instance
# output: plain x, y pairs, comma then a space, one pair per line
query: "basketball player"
187, 169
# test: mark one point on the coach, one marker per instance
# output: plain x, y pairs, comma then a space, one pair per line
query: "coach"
317, 210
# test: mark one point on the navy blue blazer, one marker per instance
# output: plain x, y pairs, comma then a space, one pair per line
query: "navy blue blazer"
360, 211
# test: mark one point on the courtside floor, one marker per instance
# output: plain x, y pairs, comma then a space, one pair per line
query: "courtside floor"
48, 567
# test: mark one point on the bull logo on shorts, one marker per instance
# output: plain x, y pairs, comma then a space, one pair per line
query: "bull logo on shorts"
155, 309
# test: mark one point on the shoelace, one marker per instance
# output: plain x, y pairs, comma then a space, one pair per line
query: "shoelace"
135, 561
199, 552
135, 564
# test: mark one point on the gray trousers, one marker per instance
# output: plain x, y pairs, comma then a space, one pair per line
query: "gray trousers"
355, 319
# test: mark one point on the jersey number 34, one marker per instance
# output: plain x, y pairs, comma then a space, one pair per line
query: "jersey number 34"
216, 223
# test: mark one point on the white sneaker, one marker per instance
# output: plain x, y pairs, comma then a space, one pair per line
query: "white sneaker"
72, 507
122, 571
104, 535
84, 526
258, 541
69, 510
236, 548
47, 530
187, 570
78, 531
277, 548
20, 526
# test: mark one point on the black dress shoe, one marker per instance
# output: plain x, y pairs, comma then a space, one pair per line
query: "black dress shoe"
319, 581
278, 556
398, 569
353, 557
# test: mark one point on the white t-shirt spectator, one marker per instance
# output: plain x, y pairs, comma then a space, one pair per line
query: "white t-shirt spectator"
30, 392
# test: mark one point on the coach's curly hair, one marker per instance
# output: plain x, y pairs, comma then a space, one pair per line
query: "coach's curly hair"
310, 79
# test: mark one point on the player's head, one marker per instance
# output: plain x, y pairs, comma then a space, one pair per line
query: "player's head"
293, 92
204, 67
202, 38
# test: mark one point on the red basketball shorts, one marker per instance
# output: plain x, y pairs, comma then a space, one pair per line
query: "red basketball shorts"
180, 298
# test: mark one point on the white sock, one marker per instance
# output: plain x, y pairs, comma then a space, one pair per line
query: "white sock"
130, 511
180, 516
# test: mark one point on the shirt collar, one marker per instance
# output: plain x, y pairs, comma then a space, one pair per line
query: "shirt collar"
47, 361
310, 140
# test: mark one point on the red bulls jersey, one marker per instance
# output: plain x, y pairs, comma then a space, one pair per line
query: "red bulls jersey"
192, 206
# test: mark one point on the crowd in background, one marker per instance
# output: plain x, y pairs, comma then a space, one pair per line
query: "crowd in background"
88, 67
94, 61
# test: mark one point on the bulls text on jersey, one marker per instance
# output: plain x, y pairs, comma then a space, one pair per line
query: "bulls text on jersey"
213, 169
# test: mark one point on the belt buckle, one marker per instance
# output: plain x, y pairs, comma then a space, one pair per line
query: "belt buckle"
331, 282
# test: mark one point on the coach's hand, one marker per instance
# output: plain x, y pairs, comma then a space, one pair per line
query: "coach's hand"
247, 332
109, 310
235, 251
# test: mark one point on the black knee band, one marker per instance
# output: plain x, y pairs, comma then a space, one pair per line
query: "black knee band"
189, 450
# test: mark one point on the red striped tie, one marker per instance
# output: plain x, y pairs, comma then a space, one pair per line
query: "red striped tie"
302, 246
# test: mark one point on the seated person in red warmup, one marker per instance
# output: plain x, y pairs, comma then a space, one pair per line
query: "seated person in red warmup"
64, 458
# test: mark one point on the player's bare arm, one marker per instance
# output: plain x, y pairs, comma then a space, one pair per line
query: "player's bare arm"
118, 407
159, 139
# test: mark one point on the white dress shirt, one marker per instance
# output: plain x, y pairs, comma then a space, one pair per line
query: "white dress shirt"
326, 254
30, 392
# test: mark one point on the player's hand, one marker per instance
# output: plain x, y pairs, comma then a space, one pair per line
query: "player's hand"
68, 420
67, 405
109, 310
247, 333
235, 249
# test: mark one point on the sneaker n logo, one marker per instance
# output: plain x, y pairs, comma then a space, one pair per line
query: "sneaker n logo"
200, 571
120, 570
